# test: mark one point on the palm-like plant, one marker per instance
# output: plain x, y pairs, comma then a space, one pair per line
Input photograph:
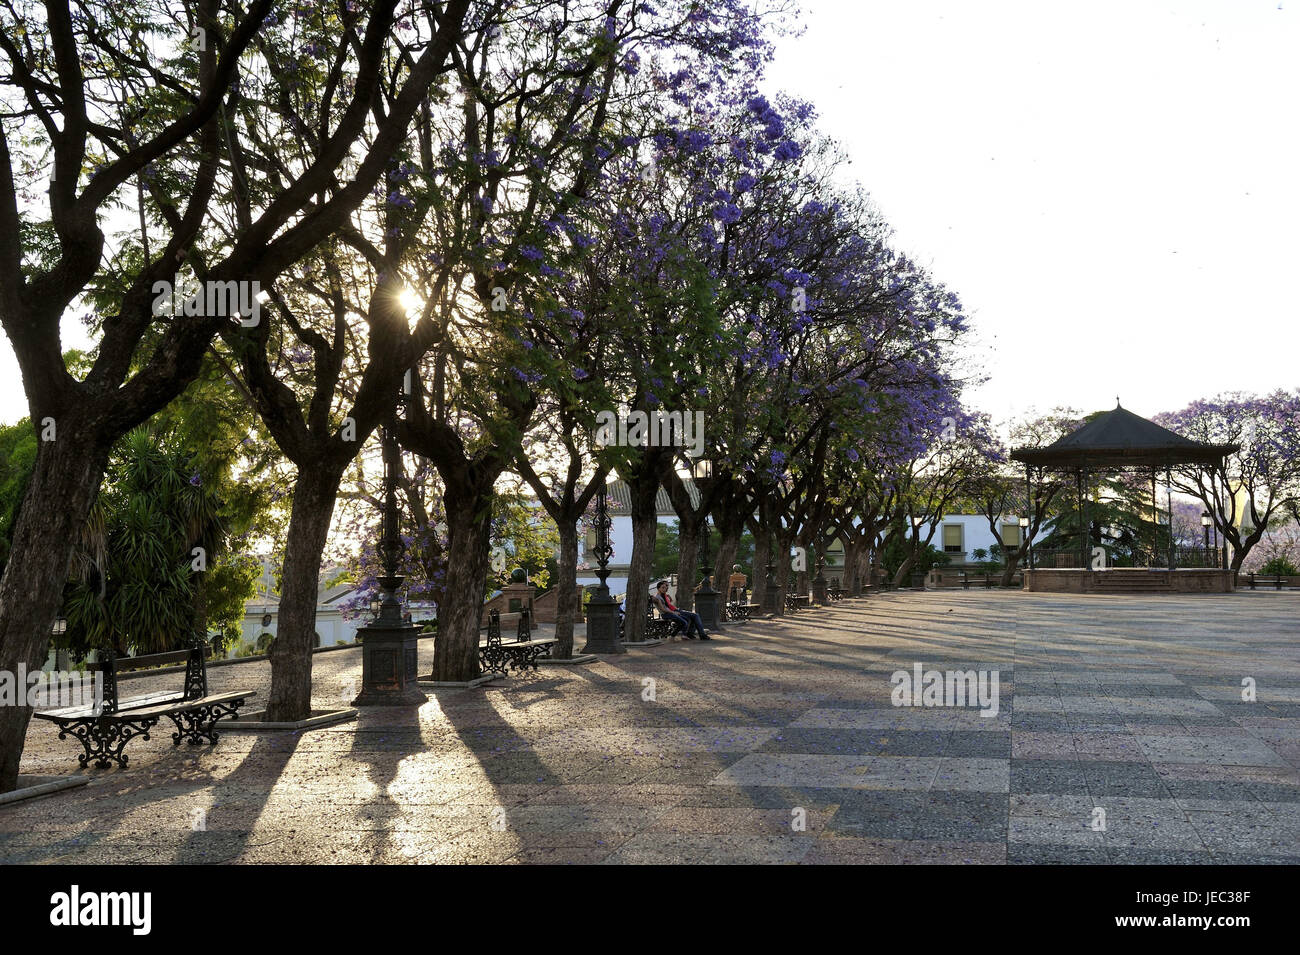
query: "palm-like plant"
133, 582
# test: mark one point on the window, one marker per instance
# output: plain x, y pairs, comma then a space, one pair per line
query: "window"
1010, 535
952, 539
589, 542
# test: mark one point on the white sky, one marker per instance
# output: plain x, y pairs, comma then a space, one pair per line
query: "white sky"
1110, 187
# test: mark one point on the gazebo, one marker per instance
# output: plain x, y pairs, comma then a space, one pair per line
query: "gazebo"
1119, 441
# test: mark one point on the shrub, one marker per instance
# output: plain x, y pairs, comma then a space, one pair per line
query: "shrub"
1281, 566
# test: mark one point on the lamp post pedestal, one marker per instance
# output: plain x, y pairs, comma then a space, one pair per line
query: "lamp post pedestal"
602, 609
602, 623
389, 656
706, 599
819, 582
389, 645
771, 592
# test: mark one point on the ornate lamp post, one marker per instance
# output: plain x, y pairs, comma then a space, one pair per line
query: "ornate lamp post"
59, 628
706, 598
1206, 521
1024, 540
389, 646
819, 581
916, 543
771, 592
602, 609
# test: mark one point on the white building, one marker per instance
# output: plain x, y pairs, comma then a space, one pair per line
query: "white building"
333, 626
960, 535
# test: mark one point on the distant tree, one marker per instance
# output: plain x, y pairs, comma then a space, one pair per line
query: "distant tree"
1254, 484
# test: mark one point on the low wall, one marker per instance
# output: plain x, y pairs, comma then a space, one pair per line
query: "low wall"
510, 601
947, 578
1078, 581
546, 607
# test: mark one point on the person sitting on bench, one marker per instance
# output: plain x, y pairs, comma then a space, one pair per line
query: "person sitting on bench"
691, 621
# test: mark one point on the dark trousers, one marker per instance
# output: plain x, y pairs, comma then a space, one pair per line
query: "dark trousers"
688, 619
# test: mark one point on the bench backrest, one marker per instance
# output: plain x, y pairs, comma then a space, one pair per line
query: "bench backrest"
196, 670
494, 628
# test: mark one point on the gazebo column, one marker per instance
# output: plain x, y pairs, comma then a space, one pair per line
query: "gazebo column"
1155, 521
1169, 490
1029, 508
1080, 478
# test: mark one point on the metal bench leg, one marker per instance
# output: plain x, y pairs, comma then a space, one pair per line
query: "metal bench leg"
200, 723
492, 660
104, 740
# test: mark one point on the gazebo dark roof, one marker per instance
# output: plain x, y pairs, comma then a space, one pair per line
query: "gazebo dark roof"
1119, 438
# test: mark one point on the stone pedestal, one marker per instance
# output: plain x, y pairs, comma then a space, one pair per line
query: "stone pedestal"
388, 666
706, 603
819, 588
771, 592
602, 622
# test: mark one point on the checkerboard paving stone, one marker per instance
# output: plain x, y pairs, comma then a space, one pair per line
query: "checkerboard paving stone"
775, 744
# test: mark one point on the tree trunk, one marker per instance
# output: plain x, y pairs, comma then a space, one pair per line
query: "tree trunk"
59, 496
904, 569
1013, 558
688, 563
762, 555
783, 544
469, 534
314, 493
803, 577
643, 489
567, 604
728, 544
852, 560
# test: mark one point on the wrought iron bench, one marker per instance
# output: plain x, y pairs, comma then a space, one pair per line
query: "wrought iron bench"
1277, 580
656, 627
105, 726
738, 606
738, 610
496, 656
797, 602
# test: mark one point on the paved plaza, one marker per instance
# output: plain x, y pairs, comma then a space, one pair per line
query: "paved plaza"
777, 742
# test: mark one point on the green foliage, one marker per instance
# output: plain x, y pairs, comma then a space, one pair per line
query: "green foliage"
1280, 565
895, 552
17, 458
134, 584
529, 537
667, 543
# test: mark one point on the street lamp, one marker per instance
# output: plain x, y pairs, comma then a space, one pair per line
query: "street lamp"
1024, 540
819, 581
771, 590
916, 541
58, 629
1206, 522
602, 609
706, 597
389, 645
